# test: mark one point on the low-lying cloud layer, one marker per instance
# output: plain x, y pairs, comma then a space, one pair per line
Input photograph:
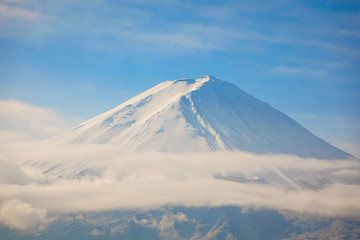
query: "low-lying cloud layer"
38, 181
71, 179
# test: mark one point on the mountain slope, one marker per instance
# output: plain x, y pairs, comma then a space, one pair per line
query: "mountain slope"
200, 115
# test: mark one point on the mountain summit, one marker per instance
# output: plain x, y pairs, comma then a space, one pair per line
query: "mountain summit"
205, 114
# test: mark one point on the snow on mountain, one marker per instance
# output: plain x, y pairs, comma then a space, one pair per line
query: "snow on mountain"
200, 115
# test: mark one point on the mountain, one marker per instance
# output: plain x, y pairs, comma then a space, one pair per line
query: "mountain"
102, 192
199, 115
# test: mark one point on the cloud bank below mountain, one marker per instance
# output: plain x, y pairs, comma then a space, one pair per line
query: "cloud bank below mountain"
39, 181
118, 181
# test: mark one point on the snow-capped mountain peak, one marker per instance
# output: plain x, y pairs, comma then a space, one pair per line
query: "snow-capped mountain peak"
204, 114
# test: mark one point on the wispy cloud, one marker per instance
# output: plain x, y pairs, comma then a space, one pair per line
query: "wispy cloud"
9, 12
349, 33
299, 71
27, 121
139, 24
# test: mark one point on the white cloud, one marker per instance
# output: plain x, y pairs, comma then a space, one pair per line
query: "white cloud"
79, 217
22, 216
10, 173
168, 221
102, 178
165, 225
286, 70
96, 232
9, 12
23, 121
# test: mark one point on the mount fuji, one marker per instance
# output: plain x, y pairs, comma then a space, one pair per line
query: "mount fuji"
119, 174
201, 115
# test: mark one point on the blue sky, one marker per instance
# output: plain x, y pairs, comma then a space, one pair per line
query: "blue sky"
81, 58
